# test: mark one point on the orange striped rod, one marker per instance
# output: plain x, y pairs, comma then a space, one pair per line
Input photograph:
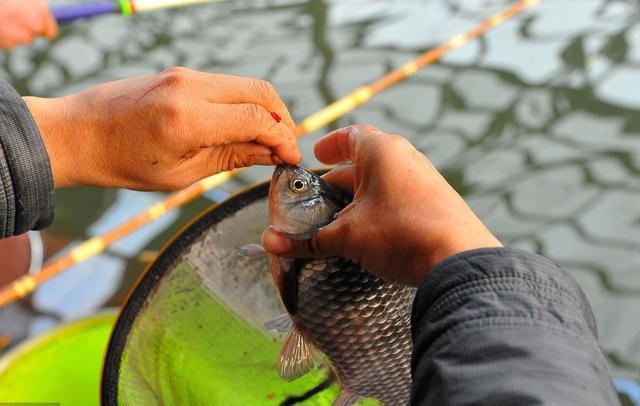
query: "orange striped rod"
28, 283
362, 94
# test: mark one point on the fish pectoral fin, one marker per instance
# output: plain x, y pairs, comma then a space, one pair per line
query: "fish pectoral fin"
347, 398
251, 250
296, 356
279, 324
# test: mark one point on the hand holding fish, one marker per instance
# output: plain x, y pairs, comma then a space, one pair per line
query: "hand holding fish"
21, 21
164, 131
404, 218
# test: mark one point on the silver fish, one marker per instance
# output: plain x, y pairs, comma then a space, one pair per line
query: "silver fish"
358, 321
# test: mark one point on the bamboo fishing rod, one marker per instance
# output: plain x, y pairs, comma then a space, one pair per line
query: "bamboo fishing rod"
28, 283
72, 12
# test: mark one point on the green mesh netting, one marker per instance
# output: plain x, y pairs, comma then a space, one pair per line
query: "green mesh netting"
192, 331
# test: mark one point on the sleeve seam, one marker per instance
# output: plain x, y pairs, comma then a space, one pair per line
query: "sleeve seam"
503, 321
461, 292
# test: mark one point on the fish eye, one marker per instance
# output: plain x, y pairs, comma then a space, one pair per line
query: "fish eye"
298, 185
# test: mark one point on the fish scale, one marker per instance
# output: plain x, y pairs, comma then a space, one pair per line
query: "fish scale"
339, 312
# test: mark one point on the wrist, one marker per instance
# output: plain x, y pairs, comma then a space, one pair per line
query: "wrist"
463, 243
59, 126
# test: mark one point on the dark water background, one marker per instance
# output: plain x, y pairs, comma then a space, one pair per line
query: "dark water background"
536, 124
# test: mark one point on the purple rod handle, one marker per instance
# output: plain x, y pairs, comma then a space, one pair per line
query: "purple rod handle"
73, 12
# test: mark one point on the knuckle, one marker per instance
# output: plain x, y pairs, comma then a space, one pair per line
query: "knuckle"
398, 142
227, 160
235, 160
255, 115
243, 160
265, 90
175, 77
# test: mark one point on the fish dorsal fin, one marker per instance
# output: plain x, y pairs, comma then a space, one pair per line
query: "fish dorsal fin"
296, 356
347, 398
279, 324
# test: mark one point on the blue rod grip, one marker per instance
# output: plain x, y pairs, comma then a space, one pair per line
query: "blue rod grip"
65, 14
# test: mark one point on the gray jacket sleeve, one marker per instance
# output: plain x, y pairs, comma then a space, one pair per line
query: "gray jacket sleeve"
26, 184
505, 327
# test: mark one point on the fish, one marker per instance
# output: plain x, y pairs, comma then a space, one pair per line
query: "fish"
336, 310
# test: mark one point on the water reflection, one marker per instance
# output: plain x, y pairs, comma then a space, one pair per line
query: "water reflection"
536, 123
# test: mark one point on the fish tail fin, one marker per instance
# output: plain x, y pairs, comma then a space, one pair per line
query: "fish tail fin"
279, 324
296, 356
347, 398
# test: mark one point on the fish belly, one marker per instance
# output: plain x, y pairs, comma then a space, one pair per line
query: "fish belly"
361, 323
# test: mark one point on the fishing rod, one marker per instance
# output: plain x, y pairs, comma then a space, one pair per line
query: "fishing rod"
362, 94
28, 283
72, 12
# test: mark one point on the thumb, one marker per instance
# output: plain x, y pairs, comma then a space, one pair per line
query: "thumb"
328, 242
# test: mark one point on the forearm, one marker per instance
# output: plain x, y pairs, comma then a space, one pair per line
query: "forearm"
26, 184
503, 326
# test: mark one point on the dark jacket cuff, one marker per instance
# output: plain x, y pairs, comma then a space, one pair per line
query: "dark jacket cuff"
26, 182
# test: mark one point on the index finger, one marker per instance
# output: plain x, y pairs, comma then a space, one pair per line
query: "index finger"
231, 89
219, 124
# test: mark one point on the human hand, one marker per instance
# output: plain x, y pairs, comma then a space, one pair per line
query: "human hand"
404, 218
164, 131
21, 21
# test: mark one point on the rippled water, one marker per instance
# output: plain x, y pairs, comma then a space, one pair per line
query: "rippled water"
536, 124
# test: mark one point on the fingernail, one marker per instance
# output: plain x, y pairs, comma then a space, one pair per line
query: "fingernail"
276, 117
274, 242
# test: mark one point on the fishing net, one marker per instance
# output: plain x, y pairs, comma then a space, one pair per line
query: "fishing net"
192, 330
